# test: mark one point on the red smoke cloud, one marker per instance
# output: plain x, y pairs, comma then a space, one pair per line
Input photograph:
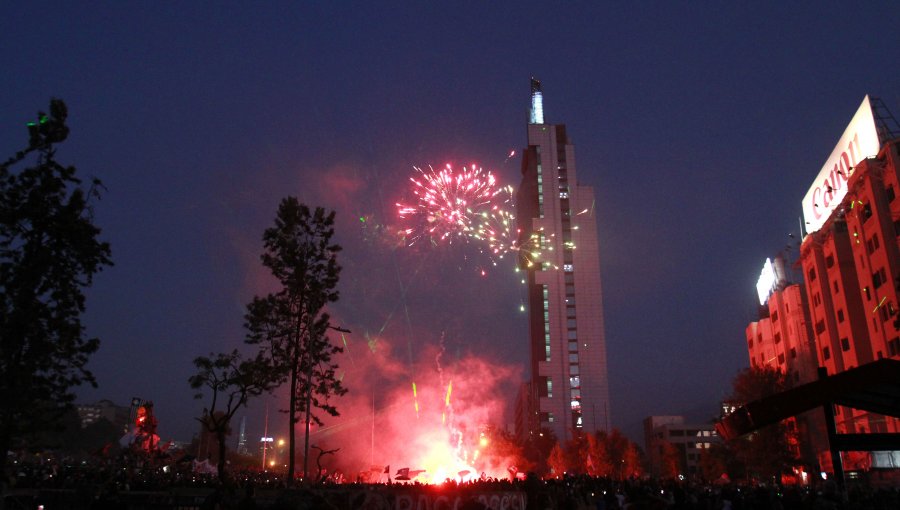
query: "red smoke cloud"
436, 428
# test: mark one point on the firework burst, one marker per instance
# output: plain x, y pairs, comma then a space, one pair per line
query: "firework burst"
495, 225
447, 203
497, 229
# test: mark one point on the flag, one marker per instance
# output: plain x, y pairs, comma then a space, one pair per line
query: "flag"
387, 469
402, 474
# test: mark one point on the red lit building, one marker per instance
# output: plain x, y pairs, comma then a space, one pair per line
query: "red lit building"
782, 339
845, 311
851, 257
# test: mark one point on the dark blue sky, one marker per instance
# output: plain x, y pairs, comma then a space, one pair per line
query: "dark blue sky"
701, 126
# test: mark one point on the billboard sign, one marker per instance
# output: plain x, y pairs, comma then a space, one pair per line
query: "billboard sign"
766, 282
859, 141
771, 278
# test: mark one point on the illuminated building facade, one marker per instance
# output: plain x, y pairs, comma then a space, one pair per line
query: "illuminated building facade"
556, 217
782, 340
90, 414
782, 337
851, 256
688, 442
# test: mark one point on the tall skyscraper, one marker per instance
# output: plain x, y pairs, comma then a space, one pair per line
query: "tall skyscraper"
568, 389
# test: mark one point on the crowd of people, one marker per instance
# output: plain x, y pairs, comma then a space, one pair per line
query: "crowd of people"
124, 482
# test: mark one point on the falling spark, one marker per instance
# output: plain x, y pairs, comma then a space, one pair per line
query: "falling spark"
415, 399
347, 348
446, 403
879, 305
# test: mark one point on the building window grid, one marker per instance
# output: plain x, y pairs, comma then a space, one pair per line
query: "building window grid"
540, 183
872, 244
879, 278
546, 295
894, 347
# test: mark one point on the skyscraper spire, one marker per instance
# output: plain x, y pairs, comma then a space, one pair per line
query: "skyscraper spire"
537, 103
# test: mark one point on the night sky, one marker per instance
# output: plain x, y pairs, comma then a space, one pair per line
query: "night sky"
700, 126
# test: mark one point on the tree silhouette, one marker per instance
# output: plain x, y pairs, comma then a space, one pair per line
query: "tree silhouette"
231, 380
767, 452
537, 448
49, 253
291, 324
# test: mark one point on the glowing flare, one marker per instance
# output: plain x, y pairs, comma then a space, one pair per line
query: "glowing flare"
449, 388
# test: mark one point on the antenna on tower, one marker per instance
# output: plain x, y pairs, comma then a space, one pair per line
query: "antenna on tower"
537, 102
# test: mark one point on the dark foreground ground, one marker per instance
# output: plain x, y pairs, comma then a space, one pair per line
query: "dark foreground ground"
575, 493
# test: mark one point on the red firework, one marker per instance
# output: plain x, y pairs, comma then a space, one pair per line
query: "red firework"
448, 203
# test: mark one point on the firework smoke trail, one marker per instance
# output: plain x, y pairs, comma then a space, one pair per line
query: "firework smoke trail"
347, 349
440, 369
403, 291
447, 202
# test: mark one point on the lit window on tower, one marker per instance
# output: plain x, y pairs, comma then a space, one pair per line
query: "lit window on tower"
540, 183
546, 293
